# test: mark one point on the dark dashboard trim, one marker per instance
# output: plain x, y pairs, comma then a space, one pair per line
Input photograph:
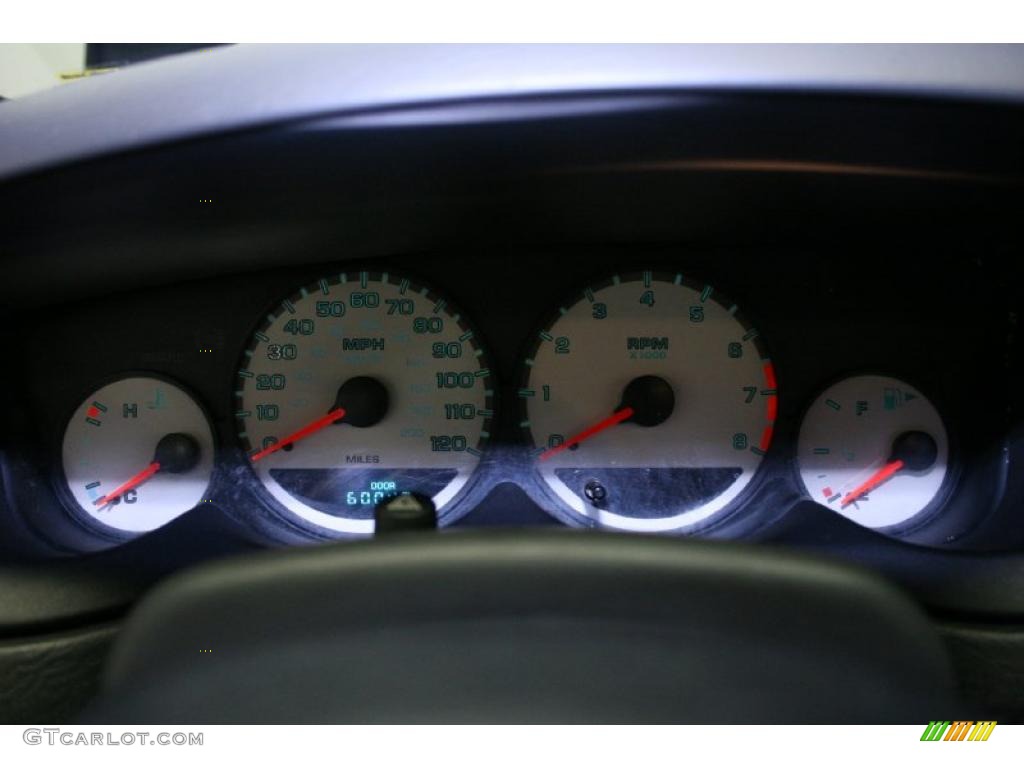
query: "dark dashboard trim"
776, 166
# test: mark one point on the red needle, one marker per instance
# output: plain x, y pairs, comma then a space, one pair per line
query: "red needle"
138, 479
874, 481
616, 418
306, 431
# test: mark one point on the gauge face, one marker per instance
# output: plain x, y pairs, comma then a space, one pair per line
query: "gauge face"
137, 454
650, 403
873, 449
361, 386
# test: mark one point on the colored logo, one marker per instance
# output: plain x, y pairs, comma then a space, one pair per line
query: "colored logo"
959, 730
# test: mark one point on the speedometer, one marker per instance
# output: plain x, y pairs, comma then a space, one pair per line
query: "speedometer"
358, 387
650, 403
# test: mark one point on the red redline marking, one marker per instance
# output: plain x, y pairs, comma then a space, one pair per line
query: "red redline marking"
772, 406
93, 411
589, 432
306, 431
827, 492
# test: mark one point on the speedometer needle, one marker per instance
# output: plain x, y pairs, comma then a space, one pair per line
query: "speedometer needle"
890, 469
136, 480
311, 428
616, 418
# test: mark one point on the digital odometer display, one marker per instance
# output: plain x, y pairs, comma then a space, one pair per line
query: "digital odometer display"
360, 386
650, 402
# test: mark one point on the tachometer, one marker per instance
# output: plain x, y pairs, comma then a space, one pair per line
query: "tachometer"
362, 386
650, 402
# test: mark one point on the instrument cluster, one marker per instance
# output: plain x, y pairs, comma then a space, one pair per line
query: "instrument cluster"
645, 400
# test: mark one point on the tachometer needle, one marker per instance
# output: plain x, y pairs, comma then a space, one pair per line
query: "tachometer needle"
306, 431
136, 480
890, 469
616, 418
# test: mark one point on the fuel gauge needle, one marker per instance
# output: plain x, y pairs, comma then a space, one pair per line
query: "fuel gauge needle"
890, 469
914, 451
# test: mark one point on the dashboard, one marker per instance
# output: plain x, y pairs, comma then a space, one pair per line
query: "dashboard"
709, 395
781, 316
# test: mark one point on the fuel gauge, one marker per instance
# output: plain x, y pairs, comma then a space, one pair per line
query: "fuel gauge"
137, 453
874, 449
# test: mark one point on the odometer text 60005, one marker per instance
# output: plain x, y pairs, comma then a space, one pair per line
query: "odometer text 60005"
360, 386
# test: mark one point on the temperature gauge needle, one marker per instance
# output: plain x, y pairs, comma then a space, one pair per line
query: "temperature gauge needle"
175, 453
890, 469
306, 431
616, 418
135, 481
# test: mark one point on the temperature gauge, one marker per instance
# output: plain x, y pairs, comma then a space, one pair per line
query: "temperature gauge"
137, 453
874, 449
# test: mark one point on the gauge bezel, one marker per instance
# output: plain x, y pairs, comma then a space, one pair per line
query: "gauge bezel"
472, 490
542, 491
930, 512
58, 477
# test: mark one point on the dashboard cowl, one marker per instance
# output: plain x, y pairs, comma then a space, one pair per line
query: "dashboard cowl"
249, 86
